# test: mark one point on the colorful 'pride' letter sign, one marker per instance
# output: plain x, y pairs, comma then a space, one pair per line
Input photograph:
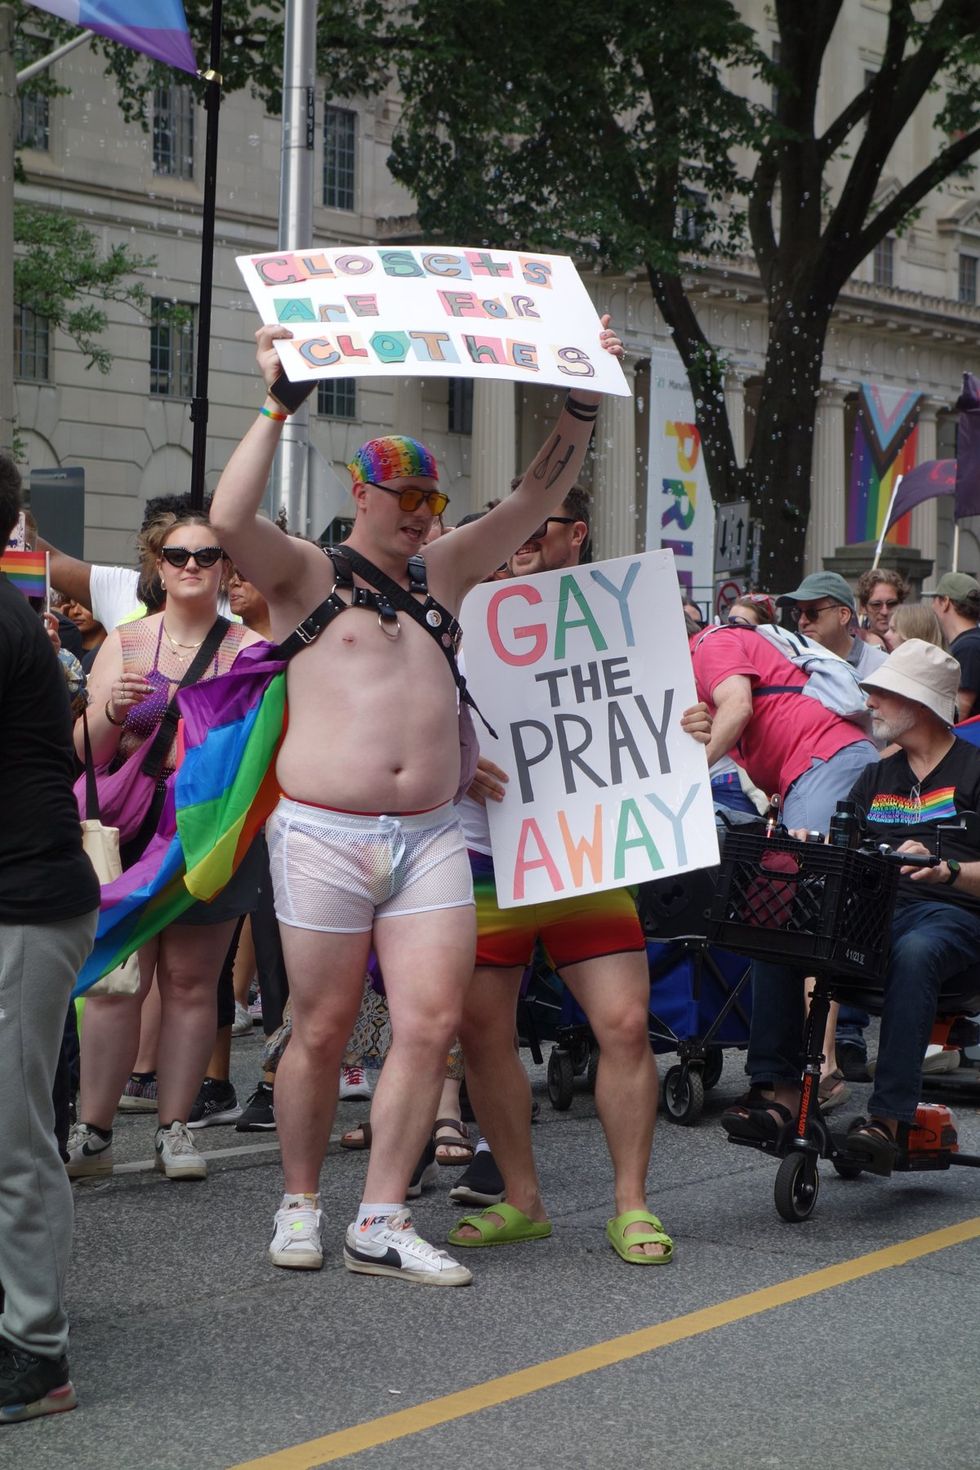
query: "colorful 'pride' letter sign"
450, 313
585, 673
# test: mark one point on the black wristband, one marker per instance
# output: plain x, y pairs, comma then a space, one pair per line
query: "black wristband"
955, 869
586, 412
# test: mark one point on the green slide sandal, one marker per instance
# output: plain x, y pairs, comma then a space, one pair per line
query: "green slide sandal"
510, 1228
655, 1234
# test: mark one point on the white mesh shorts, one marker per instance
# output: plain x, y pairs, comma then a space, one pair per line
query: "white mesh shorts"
336, 871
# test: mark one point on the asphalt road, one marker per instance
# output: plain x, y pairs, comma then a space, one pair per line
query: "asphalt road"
848, 1340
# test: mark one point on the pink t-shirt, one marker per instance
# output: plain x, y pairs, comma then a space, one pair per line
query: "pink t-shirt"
786, 731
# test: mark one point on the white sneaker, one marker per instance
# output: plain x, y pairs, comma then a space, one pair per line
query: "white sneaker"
176, 1155
353, 1083
938, 1059
242, 1025
296, 1242
87, 1152
396, 1250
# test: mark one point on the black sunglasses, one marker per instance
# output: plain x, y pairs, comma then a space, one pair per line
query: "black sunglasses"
412, 498
179, 556
542, 530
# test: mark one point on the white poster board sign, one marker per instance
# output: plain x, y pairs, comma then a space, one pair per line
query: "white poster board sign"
584, 674
432, 312
680, 514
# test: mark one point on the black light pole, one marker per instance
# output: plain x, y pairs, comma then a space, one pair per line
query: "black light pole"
199, 403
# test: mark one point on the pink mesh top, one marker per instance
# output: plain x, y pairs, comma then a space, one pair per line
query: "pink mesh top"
146, 652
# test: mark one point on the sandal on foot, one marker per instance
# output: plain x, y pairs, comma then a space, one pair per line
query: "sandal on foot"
500, 1225
358, 1137
832, 1091
871, 1145
654, 1234
762, 1121
450, 1134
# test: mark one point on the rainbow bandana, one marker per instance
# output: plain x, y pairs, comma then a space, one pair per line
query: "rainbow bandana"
394, 457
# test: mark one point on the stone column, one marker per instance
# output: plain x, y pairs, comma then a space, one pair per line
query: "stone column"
615, 530
925, 517
827, 527
494, 435
735, 407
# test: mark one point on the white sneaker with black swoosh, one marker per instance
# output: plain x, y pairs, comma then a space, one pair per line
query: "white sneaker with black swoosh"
394, 1249
88, 1153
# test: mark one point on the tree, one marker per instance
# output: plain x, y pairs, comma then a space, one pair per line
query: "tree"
622, 133
60, 275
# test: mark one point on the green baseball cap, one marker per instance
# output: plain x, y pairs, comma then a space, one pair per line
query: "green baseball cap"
821, 584
955, 585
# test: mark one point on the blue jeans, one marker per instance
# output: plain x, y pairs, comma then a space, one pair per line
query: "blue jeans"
931, 942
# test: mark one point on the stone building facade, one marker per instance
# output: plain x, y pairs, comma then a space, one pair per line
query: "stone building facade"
909, 319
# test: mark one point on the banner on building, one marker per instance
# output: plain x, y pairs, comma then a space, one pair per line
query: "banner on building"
884, 446
432, 312
680, 514
157, 28
605, 787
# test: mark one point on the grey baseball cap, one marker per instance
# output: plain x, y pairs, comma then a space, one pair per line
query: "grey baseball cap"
957, 586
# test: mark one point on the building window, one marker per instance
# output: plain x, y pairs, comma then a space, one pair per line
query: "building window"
31, 344
32, 124
883, 262
339, 136
968, 280
691, 222
460, 405
336, 398
172, 348
173, 131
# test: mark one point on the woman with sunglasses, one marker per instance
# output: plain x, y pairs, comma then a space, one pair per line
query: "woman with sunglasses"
135, 675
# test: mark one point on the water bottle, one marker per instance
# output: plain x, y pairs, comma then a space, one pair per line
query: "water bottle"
845, 825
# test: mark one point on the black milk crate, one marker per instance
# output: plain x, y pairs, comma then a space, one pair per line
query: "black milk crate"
827, 907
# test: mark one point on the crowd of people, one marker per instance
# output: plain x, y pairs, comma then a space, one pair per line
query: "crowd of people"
366, 912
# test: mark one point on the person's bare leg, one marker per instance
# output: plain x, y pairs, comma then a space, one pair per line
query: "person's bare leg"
427, 961
498, 1086
146, 1057
188, 966
829, 1064
326, 979
110, 1039
614, 992
244, 969
449, 1151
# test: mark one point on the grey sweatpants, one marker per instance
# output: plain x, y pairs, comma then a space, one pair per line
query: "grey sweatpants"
38, 966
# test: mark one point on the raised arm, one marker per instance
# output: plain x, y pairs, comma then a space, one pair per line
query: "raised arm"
470, 554
265, 555
68, 574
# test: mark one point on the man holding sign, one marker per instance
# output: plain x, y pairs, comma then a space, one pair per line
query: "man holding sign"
365, 845
593, 939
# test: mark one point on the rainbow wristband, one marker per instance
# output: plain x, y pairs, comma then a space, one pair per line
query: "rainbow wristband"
270, 413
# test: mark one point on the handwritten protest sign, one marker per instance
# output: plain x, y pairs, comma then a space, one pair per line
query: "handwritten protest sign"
424, 312
584, 674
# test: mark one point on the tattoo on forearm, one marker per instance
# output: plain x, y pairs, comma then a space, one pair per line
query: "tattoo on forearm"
546, 470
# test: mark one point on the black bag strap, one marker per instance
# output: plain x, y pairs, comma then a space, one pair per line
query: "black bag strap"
430, 615
92, 811
167, 729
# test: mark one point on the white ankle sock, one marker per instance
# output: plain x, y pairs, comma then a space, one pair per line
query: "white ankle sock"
374, 1216
482, 1146
301, 1201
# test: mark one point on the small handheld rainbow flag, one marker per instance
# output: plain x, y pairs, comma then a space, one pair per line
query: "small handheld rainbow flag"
28, 570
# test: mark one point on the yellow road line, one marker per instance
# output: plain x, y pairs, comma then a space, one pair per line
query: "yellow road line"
336, 1446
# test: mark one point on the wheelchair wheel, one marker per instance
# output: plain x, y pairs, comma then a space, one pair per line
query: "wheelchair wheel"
683, 1095
561, 1080
797, 1186
711, 1071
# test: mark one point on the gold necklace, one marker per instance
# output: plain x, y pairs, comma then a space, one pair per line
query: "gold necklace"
175, 645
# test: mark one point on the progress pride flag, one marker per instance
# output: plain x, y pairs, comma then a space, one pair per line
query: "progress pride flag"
157, 28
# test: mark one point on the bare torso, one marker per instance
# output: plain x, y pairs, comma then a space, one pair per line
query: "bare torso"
372, 719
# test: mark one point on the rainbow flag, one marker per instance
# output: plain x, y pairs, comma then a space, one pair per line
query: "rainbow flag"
219, 799
27, 570
885, 445
157, 28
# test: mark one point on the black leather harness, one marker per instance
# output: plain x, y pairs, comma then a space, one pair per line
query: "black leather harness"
387, 599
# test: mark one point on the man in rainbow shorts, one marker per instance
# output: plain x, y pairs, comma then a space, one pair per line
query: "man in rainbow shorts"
597, 945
